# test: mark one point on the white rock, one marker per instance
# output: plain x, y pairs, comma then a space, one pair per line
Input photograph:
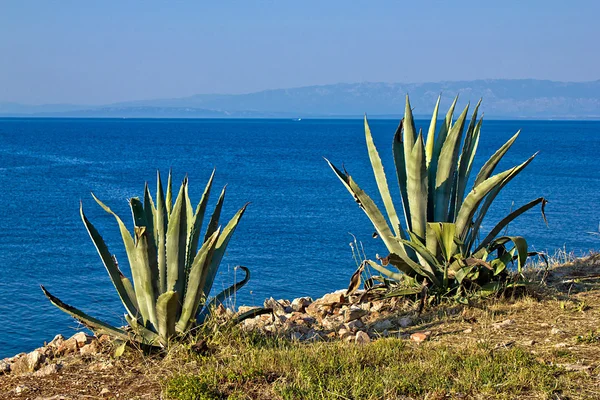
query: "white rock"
503, 324
301, 303
48, 370
355, 325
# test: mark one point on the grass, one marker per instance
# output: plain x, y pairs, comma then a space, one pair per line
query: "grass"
384, 369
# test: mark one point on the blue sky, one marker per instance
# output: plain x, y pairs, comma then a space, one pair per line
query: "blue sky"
99, 52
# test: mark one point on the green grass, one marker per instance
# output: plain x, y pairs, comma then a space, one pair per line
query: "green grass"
385, 369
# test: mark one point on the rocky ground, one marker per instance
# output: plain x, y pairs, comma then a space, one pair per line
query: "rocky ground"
558, 322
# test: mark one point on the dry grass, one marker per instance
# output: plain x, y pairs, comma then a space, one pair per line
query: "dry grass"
551, 350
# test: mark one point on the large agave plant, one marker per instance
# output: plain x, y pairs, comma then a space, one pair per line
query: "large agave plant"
171, 276
440, 238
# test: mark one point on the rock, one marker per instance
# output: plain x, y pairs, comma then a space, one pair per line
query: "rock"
377, 306
243, 309
353, 313
28, 363
468, 330
104, 340
333, 298
382, 325
556, 331
420, 336
4, 367
296, 336
355, 325
362, 338
312, 336
300, 304
90, 349
104, 392
528, 342
575, 367
82, 339
100, 366
344, 333
405, 322
57, 341
49, 369
22, 389
503, 324
55, 397
67, 347
560, 345
332, 322
276, 306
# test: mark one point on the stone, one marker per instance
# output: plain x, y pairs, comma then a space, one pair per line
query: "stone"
377, 306
353, 313
382, 325
468, 330
420, 337
105, 392
90, 349
362, 338
312, 336
57, 341
332, 322
355, 325
575, 367
556, 331
28, 363
243, 309
4, 367
276, 306
67, 347
104, 340
405, 322
22, 389
296, 336
49, 369
81, 338
544, 325
503, 324
300, 304
528, 342
344, 333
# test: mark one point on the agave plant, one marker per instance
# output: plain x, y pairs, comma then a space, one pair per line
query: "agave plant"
172, 278
440, 238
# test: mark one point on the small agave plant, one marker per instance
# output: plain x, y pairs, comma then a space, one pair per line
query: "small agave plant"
439, 239
172, 278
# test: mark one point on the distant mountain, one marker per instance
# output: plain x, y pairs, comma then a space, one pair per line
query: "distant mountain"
502, 98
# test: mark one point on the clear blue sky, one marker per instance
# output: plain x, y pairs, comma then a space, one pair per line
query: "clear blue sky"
106, 51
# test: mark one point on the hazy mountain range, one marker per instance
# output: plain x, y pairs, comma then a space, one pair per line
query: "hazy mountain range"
502, 98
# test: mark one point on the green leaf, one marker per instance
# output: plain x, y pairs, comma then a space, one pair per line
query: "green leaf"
144, 285
520, 244
115, 274
381, 180
162, 218
446, 168
488, 168
93, 324
431, 132
216, 215
400, 164
167, 306
417, 188
176, 243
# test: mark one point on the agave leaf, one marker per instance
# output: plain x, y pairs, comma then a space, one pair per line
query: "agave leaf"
92, 323
410, 133
446, 234
169, 195
162, 219
214, 219
144, 286
255, 312
476, 225
176, 243
476, 196
219, 298
465, 162
369, 207
417, 188
131, 256
400, 164
143, 335
488, 168
221, 246
446, 168
509, 218
380, 178
193, 291
393, 275
431, 132
520, 244
115, 274
430, 262
140, 220
166, 309
198, 218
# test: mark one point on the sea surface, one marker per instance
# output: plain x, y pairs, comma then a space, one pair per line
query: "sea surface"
295, 235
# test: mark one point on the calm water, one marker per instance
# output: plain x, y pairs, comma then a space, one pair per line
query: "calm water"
294, 235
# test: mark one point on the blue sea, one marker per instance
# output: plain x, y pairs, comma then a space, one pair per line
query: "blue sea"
295, 235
